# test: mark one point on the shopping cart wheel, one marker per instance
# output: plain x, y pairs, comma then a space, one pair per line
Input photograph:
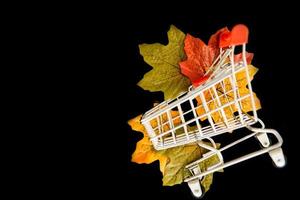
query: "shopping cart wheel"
278, 157
263, 139
196, 188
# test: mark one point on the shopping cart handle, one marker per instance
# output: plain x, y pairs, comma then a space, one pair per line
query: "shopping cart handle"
225, 39
237, 36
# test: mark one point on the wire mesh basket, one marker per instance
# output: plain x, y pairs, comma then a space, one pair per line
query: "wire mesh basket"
214, 107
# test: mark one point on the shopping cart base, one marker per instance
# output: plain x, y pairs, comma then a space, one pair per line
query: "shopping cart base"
263, 139
274, 150
278, 157
196, 188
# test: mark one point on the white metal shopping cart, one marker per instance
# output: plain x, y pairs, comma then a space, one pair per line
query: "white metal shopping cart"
212, 107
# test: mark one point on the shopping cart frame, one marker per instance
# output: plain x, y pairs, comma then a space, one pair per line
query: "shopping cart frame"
262, 134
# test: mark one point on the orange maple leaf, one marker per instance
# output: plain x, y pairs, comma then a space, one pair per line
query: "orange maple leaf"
199, 55
144, 152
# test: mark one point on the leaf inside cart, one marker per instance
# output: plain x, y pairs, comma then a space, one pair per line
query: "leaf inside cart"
226, 96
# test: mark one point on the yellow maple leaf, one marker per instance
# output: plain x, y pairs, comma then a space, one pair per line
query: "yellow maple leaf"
144, 152
221, 89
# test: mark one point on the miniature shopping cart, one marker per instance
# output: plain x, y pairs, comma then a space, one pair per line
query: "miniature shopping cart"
213, 105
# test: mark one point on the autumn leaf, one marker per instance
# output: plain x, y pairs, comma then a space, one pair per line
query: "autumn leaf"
199, 55
179, 157
199, 59
172, 161
208, 179
242, 89
249, 57
213, 42
165, 75
144, 152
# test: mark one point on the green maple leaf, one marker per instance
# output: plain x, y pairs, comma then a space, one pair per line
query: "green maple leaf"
179, 157
165, 75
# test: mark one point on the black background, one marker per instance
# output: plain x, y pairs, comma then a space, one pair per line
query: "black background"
273, 40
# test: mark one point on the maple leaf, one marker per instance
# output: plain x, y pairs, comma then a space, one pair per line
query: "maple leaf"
144, 152
165, 75
249, 57
242, 89
199, 59
213, 42
179, 157
199, 55
172, 161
